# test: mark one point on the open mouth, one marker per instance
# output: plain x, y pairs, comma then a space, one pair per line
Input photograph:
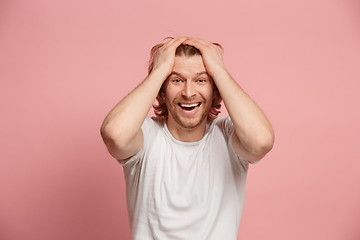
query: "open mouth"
189, 106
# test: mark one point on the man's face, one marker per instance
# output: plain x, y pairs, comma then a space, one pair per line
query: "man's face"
188, 93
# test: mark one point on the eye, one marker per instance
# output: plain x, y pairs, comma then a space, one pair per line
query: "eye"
201, 80
176, 80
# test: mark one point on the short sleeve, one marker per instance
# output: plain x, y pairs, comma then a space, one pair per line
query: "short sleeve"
148, 128
228, 129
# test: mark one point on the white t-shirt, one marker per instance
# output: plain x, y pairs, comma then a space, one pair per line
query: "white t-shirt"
185, 190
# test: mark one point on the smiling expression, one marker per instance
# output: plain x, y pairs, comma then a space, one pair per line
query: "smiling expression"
189, 93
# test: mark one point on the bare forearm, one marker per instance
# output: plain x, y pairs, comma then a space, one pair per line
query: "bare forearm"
254, 134
121, 129
251, 125
126, 118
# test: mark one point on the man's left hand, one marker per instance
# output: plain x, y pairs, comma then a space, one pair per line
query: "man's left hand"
211, 55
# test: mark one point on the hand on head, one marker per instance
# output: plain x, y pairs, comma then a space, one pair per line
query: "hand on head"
164, 56
211, 54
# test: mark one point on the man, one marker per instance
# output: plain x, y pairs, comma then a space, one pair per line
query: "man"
186, 168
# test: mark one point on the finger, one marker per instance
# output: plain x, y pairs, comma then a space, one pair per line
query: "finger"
172, 40
197, 43
166, 44
177, 42
161, 47
199, 40
169, 40
201, 44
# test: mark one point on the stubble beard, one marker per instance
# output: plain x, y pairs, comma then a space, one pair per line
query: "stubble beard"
187, 123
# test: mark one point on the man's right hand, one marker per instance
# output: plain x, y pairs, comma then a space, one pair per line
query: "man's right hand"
164, 58
121, 129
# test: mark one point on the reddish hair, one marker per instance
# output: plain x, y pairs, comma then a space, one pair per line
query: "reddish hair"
160, 108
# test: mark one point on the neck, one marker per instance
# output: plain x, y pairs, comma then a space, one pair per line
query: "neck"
186, 134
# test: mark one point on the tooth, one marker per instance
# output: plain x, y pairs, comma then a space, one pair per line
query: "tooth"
189, 105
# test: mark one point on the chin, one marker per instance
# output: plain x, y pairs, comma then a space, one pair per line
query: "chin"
189, 123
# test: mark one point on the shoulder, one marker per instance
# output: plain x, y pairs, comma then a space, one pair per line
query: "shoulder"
223, 126
220, 127
150, 128
223, 123
153, 123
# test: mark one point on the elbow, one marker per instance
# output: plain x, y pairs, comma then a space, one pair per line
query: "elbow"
263, 144
266, 141
109, 134
265, 147
106, 132
114, 136
120, 144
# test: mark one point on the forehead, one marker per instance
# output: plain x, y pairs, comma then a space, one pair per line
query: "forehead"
189, 65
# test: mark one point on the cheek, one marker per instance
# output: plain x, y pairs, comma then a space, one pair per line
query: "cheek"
209, 93
169, 97
172, 92
169, 100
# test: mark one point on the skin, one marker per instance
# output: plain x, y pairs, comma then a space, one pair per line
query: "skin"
121, 129
188, 84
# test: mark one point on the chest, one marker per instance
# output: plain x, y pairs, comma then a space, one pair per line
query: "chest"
187, 173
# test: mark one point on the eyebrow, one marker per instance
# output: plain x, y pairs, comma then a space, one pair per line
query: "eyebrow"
180, 75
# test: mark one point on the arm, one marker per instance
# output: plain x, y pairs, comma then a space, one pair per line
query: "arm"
121, 129
254, 135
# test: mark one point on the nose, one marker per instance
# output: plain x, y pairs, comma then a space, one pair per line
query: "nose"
188, 90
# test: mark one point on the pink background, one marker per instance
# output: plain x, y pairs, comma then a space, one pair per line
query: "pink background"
65, 64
